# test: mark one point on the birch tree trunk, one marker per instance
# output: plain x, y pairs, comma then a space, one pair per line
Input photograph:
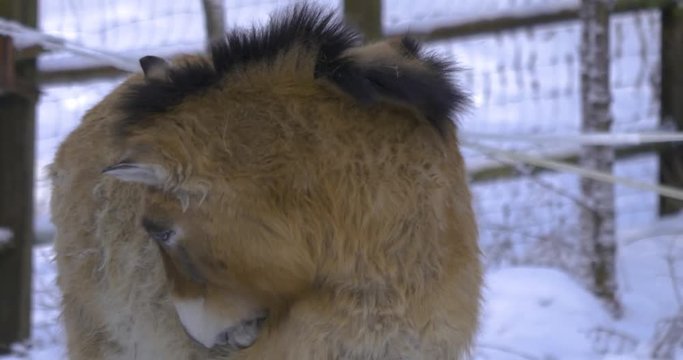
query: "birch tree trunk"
597, 236
214, 19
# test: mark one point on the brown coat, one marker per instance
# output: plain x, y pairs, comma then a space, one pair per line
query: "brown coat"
297, 196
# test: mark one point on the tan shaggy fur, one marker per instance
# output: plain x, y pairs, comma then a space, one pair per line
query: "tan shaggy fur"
351, 225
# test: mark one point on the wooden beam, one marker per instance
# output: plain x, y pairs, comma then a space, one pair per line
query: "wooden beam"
30, 52
507, 23
671, 109
9, 81
81, 74
496, 24
17, 128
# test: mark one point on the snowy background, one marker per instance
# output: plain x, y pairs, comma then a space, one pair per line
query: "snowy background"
522, 81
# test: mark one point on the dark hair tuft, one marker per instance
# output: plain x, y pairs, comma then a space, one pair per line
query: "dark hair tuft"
427, 89
301, 25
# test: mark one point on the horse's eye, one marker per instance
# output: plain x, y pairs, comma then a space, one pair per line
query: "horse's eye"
162, 236
156, 231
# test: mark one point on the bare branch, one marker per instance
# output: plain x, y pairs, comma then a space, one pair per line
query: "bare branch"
669, 336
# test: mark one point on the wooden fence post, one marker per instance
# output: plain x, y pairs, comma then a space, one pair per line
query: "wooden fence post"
214, 20
671, 112
17, 126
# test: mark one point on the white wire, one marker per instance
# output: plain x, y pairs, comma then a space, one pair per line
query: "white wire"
607, 139
21, 32
665, 191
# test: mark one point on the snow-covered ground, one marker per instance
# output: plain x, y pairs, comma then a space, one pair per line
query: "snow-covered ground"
529, 312
545, 314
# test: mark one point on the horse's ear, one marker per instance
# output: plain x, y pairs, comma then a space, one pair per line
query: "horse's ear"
148, 174
397, 71
154, 68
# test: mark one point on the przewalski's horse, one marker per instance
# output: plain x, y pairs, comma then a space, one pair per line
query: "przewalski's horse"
295, 195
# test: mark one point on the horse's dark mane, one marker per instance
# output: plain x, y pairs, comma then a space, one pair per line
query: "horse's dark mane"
302, 25
431, 91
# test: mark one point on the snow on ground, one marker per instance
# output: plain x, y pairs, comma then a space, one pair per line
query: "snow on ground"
525, 305
544, 314
529, 312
